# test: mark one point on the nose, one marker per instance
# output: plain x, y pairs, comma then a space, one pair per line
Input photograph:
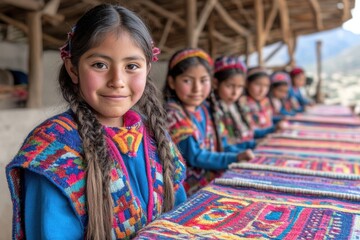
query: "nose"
196, 86
116, 78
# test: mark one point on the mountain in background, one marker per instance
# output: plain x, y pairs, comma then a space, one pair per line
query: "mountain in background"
337, 44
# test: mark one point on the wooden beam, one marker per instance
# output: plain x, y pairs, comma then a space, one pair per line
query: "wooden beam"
163, 12
276, 50
25, 29
317, 13
291, 51
228, 20
259, 11
271, 18
285, 21
346, 11
243, 12
219, 36
32, 5
51, 7
318, 94
204, 15
165, 33
191, 19
35, 60
211, 37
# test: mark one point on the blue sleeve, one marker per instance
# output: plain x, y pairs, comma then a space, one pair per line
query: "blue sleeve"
276, 119
284, 112
48, 214
262, 132
180, 195
247, 145
202, 158
237, 148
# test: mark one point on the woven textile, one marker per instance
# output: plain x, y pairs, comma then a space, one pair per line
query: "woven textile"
223, 212
355, 121
319, 135
321, 145
322, 127
326, 110
315, 182
325, 165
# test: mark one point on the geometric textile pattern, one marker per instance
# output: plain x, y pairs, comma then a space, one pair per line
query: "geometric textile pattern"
222, 212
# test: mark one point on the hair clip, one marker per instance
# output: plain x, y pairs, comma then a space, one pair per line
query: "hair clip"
65, 50
155, 51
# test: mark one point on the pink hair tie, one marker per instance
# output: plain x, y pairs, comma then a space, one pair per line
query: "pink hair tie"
65, 50
155, 51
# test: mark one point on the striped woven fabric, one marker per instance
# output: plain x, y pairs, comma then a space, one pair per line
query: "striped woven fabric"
225, 212
331, 111
325, 165
355, 121
319, 135
303, 184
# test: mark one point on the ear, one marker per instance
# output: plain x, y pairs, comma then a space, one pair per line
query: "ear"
72, 71
215, 83
171, 82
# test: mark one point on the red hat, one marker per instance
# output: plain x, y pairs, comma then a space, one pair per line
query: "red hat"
296, 71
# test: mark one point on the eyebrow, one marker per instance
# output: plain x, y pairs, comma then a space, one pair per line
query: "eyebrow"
129, 58
189, 76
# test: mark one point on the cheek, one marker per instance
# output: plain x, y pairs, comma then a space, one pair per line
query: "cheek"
137, 84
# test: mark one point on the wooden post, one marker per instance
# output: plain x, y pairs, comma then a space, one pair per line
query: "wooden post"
319, 96
259, 11
35, 60
212, 40
191, 22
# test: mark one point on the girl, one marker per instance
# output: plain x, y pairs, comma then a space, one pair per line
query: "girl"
298, 79
229, 82
282, 103
193, 127
99, 170
256, 104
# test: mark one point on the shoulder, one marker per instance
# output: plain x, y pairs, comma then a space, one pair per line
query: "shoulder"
50, 145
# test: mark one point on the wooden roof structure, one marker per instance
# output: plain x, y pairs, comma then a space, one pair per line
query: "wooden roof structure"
220, 27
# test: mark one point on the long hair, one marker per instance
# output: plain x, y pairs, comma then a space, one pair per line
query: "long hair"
178, 69
88, 33
222, 76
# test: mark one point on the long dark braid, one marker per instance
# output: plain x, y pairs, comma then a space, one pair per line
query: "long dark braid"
150, 105
98, 164
215, 117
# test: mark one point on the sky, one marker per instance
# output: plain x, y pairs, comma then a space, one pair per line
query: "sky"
353, 24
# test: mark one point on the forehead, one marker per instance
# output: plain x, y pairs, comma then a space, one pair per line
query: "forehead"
197, 69
261, 80
235, 79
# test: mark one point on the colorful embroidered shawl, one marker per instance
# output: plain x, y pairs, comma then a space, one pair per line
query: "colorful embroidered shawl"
181, 127
259, 113
237, 129
54, 150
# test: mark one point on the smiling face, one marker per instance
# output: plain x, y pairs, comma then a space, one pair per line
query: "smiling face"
231, 89
258, 88
111, 77
192, 87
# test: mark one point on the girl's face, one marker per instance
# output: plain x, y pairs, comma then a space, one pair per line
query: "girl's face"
281, 91
299, 80
259, 88
192, 87
231, 89
111, 77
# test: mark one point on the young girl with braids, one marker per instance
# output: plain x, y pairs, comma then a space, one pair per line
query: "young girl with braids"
193, 123
229, 82
256, 104
100, 170
282, 103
